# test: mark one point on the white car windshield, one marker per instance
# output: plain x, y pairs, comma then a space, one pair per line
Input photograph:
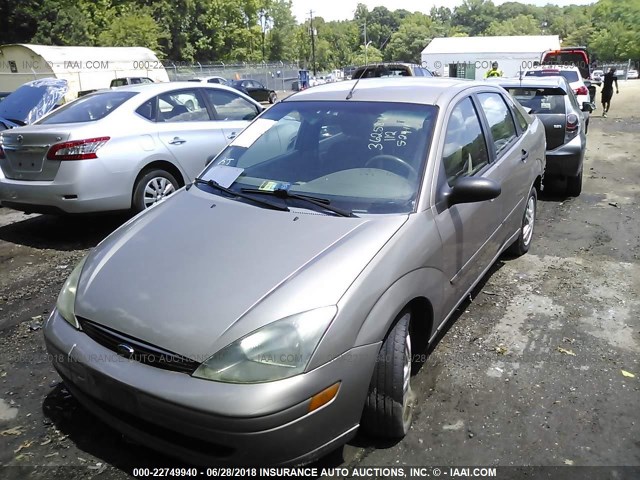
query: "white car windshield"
365, 157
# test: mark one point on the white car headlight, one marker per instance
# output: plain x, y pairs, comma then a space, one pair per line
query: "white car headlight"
67, 297
278, 350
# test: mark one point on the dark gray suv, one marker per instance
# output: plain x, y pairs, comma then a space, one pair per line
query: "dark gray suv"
391, 70
565, 121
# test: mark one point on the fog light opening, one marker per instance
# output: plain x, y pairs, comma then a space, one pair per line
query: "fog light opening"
324, 397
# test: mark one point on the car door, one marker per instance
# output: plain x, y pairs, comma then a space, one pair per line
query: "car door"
466, 229
232, 110
257, 91
188, 129
512, 162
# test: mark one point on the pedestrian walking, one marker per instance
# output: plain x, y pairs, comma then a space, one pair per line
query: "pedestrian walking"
607, 89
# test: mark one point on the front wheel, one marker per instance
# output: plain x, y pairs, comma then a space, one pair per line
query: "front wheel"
389, 407
273, 98
153, 186
523, 242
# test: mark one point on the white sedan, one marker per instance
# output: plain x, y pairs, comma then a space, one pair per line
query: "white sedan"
120, 149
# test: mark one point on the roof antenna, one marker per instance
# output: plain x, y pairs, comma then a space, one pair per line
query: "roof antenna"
350, 94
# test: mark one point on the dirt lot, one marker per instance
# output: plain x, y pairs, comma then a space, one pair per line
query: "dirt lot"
535, 369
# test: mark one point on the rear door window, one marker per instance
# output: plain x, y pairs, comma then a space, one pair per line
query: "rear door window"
88, 109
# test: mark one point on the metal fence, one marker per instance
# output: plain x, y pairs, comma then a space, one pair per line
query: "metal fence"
276, 76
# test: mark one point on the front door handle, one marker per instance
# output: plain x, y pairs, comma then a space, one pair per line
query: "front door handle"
232, 135
524, 156
177, 141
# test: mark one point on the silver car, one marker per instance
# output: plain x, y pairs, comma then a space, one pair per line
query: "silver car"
119, 149
311, 265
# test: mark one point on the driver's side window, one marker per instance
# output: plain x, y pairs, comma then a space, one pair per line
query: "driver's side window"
465, 149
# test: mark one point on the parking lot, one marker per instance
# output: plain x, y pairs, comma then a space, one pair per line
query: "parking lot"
540, 366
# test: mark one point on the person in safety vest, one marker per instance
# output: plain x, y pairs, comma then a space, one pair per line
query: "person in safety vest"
494, 72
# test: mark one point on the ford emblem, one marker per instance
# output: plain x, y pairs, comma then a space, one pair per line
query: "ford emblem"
125, 350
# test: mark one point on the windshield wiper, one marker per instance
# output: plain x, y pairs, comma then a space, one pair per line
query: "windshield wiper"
216, 185
317, 201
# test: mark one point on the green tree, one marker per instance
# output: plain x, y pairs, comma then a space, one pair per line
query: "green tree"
519, 25
475, 16
133, 28
414, 34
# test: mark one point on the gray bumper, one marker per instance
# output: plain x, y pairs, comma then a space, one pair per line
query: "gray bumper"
157, 407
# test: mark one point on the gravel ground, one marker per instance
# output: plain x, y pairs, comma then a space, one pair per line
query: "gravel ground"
534, 370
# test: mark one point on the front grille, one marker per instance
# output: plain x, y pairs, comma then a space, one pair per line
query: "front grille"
213, 450
142, 351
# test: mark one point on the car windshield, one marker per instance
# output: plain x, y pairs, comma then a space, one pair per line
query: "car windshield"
570, 75
539, 100
88, 109
363, 157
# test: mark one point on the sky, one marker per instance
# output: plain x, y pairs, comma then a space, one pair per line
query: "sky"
343, 9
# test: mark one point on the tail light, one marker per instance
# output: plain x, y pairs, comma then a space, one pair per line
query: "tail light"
573, 122
2, 156
581, 90
77, 149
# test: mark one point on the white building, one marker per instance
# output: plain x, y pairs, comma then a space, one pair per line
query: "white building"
84, 68
471, 57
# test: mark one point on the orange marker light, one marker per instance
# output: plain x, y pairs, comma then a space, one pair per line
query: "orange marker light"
324, 397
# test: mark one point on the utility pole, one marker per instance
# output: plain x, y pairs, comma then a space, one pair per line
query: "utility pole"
365, 41
313, 44
264, 18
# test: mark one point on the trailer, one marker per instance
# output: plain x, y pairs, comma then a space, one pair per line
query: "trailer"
471, 57
84, 68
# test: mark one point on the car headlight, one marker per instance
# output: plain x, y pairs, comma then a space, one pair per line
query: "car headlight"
67, 297
278, 350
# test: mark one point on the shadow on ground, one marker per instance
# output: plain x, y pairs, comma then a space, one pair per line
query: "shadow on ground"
61, 233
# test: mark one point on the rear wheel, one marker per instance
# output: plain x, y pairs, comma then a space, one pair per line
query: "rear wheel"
153, 186
273, 98
389, 407
574, 185
523, 242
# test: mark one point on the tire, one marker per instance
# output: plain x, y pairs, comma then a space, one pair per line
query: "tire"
273, 98
153, 186
574, 185
389, 406
523, 242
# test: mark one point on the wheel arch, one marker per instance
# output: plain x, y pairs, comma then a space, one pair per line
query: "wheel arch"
421, 292
162, 165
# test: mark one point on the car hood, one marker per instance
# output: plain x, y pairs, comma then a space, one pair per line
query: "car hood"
197, 272
33, 100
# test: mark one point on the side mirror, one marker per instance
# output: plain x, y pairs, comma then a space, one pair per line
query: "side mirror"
587, 107
471, 190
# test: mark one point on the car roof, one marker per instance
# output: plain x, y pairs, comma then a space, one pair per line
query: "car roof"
427, 90
532, 82
151, 89
155, 88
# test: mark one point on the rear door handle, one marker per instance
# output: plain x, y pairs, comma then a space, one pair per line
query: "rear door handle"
524, 155
232, 135
177, 141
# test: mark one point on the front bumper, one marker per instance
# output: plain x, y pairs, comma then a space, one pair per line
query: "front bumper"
567, 159
157, 407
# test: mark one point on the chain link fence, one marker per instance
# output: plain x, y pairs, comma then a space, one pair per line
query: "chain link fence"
278, 76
